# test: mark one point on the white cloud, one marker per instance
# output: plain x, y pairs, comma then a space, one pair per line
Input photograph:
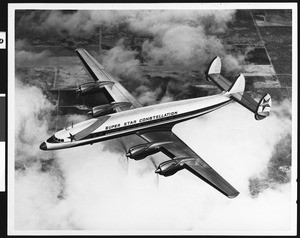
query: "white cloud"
98, 194
32, 112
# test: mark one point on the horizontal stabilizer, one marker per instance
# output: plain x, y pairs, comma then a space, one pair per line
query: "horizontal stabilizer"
236, 92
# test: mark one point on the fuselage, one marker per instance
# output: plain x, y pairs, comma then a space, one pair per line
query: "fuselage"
134, 120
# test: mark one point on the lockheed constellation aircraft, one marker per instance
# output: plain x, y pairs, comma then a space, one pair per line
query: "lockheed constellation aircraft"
124, 115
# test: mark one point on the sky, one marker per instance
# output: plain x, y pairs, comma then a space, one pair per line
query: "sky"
94, 188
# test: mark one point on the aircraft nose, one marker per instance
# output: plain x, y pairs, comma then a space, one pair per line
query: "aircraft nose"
43, 146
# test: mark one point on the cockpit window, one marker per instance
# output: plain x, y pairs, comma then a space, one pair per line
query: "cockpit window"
53, 139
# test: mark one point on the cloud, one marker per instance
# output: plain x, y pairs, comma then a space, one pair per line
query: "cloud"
32, 112
180, 37
24, 57
90, 188
122, 62
158, 21
84, 22
146, 95
182, 45
27, 58
243, 145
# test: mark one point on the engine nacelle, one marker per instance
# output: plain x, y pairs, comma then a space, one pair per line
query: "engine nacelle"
99, 110
107, 108
170, 167
89, 87
141, 151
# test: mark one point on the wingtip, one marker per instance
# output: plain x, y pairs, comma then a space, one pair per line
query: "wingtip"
78, 49
234, 195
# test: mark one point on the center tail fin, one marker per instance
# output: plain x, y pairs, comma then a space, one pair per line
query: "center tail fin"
236, 91
238, 86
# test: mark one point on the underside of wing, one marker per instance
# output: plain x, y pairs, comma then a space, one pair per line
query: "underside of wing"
112, 88
184, 157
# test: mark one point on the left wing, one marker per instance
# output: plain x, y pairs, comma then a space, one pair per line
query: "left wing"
114, 91
178, 149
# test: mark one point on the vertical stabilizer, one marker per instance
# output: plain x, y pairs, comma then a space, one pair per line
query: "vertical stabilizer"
238, 86
215, 66
264, 107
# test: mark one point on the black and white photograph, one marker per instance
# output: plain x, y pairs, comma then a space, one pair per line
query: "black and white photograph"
152, 119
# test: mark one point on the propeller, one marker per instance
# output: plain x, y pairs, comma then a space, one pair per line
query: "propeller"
125, 151
155, 166
79, 98
77, 92
77, 87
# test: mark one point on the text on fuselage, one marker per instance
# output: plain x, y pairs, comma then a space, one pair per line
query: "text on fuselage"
141, 120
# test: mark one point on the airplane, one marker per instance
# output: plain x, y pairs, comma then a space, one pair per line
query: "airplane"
124, 115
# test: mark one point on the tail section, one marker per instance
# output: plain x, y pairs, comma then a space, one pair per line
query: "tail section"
236, 92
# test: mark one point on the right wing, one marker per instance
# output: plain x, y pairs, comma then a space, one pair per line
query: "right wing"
178, 149
115, 92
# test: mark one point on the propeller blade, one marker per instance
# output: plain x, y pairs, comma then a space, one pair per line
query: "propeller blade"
77, 90
155, 166
153, 162
123, 146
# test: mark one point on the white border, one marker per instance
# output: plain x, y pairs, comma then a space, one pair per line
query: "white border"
294, 114
167, 6
170, 6
2, 160
10, 120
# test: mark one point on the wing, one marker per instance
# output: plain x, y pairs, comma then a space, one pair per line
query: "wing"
178, 149
115, 92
